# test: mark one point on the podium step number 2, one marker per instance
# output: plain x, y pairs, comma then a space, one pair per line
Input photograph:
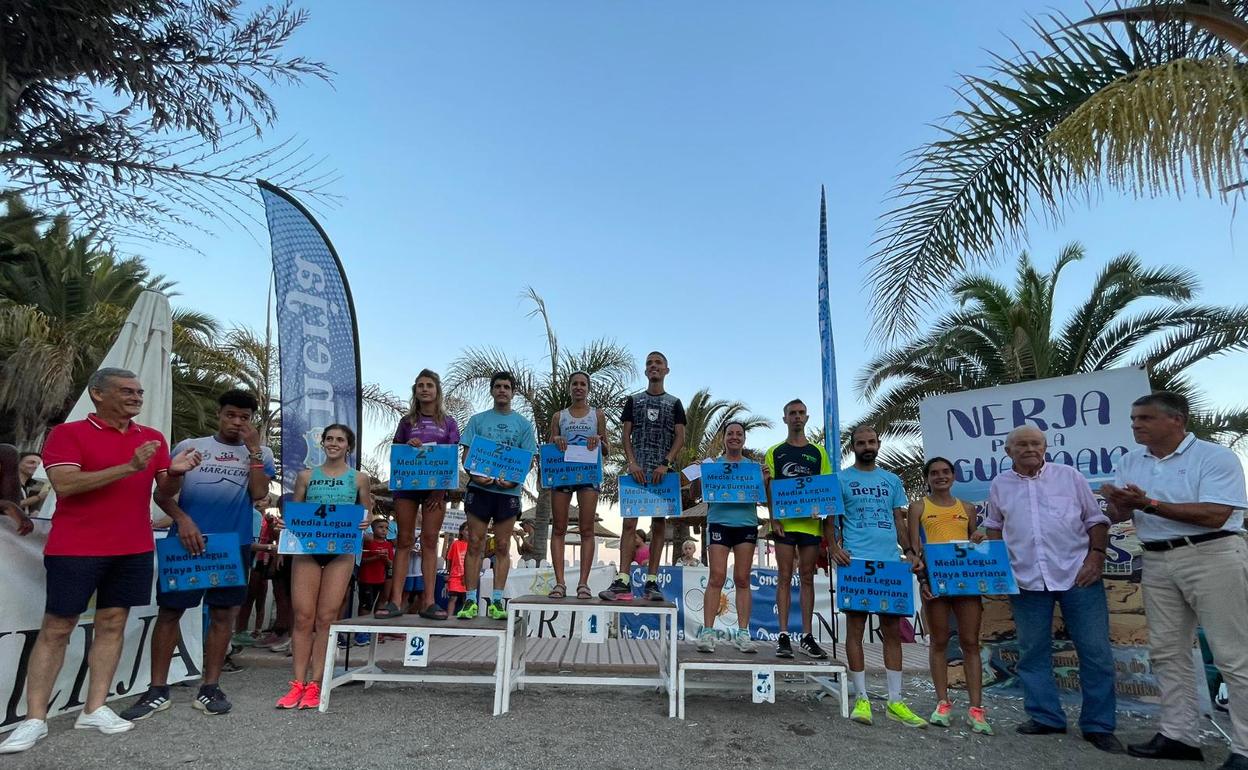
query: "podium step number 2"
593, 628
416, 652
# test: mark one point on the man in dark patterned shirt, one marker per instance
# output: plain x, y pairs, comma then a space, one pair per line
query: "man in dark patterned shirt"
654, 432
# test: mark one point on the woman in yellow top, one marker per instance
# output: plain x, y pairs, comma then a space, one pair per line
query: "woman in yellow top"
941, 518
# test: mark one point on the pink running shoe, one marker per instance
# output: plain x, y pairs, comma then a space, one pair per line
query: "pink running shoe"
291, 699
311, 696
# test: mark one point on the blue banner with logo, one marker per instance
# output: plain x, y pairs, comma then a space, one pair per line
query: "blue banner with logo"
881, 587
432, 466
831, 414
671, 582
498, 461
321, 529
219, 565
655, 500
317, 340
729, 482
558, 472
806, 496
969, 569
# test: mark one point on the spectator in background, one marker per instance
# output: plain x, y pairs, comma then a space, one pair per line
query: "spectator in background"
688, 554
377, 555
455, 554
641, 548
34, 491
10, 490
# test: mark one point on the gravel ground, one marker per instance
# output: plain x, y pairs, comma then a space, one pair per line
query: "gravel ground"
449, 725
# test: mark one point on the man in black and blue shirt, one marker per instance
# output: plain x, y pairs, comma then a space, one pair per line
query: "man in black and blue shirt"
653, 434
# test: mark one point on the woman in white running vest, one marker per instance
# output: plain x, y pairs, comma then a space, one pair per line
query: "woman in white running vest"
583, 425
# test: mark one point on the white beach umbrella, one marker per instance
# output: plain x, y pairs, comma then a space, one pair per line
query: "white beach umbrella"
143, 346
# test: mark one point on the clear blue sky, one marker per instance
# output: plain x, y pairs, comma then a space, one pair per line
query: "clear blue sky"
653, 169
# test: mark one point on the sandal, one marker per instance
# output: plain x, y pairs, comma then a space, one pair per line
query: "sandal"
387, 611
583, 592
560, 591
433, 612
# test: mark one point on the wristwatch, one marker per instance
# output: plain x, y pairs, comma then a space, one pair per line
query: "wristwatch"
1151, 507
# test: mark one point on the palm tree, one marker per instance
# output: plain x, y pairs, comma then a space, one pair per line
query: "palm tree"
1151, 98
1000, 335
541, 393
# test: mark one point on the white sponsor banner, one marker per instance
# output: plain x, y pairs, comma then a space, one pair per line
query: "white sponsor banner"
22, 596
1086, 419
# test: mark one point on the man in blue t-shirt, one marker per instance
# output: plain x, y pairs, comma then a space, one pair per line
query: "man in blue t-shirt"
873, 528
216, 497
491, 499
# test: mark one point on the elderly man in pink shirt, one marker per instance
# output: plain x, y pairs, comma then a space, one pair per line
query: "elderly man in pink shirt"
1056, 534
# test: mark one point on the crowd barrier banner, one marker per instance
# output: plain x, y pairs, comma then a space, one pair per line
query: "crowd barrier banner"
22, 595
1086, 419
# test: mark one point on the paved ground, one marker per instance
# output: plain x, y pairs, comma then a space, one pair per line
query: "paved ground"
393, 726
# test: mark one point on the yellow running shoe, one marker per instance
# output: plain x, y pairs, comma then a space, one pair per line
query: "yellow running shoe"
862, 711
978, 721
468, 612
940, 716
898, 711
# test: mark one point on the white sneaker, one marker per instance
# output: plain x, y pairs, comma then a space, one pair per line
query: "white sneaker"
742, 641
103, 719
706, 640
27, 734
283, 646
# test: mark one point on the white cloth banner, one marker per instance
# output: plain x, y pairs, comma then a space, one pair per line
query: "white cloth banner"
22, 595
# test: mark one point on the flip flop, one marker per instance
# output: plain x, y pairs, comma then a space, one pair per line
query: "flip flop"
583, 592
560, 591
387, 611
433, 612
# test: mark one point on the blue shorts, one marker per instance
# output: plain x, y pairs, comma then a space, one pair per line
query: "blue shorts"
116, 581
223, 596
413, 584
491, 506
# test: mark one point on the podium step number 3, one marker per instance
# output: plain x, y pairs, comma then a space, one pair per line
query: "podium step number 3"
764, 685
416, 652
593, 628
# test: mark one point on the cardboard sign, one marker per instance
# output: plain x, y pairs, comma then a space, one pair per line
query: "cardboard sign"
733, 482
498, 461
220, 565
880, 587
807, 496
969, 569
432, 466
321, 529
556, 471
656, 500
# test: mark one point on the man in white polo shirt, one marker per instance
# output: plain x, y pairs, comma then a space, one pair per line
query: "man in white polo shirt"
1188, 499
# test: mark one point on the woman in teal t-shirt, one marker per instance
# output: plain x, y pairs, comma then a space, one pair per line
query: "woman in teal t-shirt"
731, 528
318, 584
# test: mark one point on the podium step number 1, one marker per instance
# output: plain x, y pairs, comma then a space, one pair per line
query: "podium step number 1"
593, 628
416, 652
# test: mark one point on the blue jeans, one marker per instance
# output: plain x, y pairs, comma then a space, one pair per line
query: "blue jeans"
1087, 622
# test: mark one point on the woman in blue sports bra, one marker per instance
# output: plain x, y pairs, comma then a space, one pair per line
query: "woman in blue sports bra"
319, 583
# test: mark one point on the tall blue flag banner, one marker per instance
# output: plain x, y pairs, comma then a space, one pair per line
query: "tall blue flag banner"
317, 340
831, 416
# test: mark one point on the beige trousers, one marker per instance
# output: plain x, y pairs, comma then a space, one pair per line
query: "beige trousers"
1207, 585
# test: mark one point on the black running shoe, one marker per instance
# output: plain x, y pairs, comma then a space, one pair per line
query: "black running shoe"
230, 667
651, 592
155, 699
784, 648
212, 701
810, 647
619, 590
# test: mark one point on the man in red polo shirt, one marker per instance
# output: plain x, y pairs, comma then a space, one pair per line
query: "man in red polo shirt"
102, 469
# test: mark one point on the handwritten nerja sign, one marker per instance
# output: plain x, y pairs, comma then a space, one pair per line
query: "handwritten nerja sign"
1086, 419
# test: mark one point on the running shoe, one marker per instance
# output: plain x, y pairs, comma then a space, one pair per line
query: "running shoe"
267, 639
862, 711
230, 667
496, 610
291, 699
103, 719
27, 734
940, 717
243, 639
281, 646
361, 640
651, 592
978, 721
742, 641
784, 648
344, 641
619, 590
898, 711
311, 696
469, 611
706, 640
211, 701
155, 699
811, 648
